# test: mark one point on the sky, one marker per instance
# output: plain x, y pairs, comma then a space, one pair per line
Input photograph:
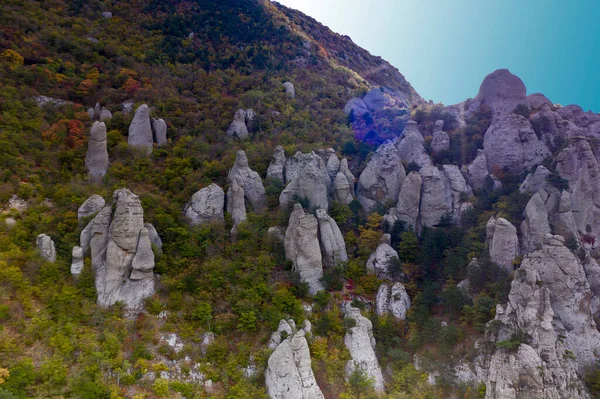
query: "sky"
445, 48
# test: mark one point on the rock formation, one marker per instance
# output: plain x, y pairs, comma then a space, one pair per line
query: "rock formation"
277, 165
357, 105
440, 140
392, 299
121, 252
333, 247
503, 242
435, 202
290, 91
90, 207
244, 183
380, 260
375, 99
76, 261
302, 248
238, 127
502, 91
535, 181
535, 226
407, 208
140, 130
361, 344
206, 205
96, 160
563, 221
160, 131
382, 178
289, 374
412, 146
478, 170
311, 183
45, 247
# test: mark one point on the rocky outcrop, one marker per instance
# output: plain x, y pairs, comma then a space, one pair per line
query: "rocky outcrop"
140, 130
535, 226
375, 99
510, 144
277, 165
549, 308
577, 164
440, 140
45, 247
333, 247
312, 182
478, 171
290, 91
392, 299
435, 202
562, 221
121, 252
160, 131
238, 127
502, 91
90, 207
76, 261
206, 206
289, 374
411, 148
535, 181
407, 208
285, 329
244, 183
457, 190
382, 179
302, 247
96, 160
538, 101
361, 344
356, 105
503, 242
379, 262
343, 184
332, 162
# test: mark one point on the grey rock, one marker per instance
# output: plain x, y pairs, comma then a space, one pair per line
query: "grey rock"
90, 207
290, 91
297, 162
277, 233
361, 344
333, 247
143, 261
412, 146
504, 243
249, 181
96, 160
45, 247
277, 165
357, 105
342, 189
382, 179
302, 248
375, 99
42, 101
392, 299
440, 141
76, 261
535, 181
285, 329
435, 200
312, 182
502, 91
107, 14
478, 170
160, 130
456, 187
206, 205
289, 374
380, 260
236, 205
536, 225
238, 127
407, 208
537, 101
105, 115
510, 142
153, 235
140, 130
563, 221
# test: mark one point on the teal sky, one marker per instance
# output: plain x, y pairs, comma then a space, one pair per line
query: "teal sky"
445, 48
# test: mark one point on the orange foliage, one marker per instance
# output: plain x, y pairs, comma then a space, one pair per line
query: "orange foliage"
67, 131
131, 86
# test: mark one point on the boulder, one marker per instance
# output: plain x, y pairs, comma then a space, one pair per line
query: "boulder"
392, 299
503, 243
342, 189
96, 160
311, 183
435, 201
285, 329
153, 235
105, 115
502, 91
375, 99
90, 207
206, 205
333, 247
477, 170
290, 91
238, 127
45, 247
440, 141
297, 162
536, 225
361, 343
456, 188
538, 101
563, 221
76, 261
535, 181
302, 248
332, 162
289, 374
510, 143
160, 131
407, 208
382, 179
277, 165
236, 204
140, 130
249, 181
143, 261
412, 146
357, 105
379, 262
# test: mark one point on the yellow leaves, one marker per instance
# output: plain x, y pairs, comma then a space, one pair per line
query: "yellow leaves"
93, 75
13, 58
128, 72
318, 348
4, 373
